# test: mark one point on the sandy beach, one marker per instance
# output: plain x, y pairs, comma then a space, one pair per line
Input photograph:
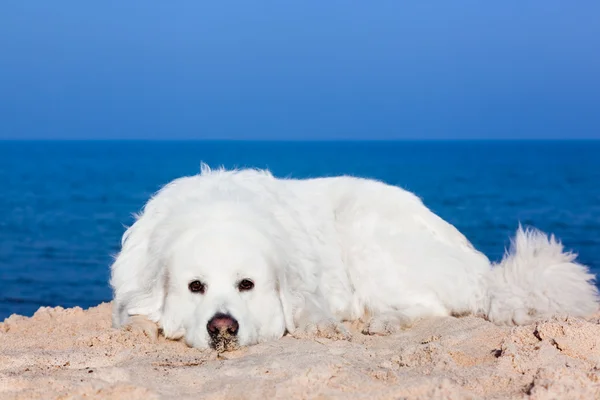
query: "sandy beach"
75, 354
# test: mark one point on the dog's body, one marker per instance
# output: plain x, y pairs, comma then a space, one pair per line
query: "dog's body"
318, 252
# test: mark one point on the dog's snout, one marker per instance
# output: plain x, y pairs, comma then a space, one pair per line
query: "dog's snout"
221, 324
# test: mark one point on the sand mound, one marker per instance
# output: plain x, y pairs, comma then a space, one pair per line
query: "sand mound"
75, 354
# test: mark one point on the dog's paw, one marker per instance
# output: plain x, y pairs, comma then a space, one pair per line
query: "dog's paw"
512, 317
384, 325
141, 324
325, 328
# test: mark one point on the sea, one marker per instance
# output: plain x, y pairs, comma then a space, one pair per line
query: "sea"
64, 205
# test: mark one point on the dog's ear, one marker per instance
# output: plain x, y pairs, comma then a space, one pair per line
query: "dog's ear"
301, 298
138, 277
289, 302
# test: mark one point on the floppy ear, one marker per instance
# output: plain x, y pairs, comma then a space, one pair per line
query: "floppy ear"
299, 271
290, 302
138, 276
301, 298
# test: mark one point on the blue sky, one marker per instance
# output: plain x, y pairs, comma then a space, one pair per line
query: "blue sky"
310, 69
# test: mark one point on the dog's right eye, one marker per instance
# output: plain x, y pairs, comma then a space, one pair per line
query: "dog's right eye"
197, 287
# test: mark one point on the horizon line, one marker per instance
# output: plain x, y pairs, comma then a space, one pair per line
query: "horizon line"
312, 140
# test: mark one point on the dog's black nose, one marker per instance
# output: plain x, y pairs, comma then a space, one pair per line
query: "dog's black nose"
221, 324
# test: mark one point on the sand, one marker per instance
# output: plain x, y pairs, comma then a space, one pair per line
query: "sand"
75, 354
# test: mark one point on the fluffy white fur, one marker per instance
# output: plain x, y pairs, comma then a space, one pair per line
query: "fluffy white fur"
322, 251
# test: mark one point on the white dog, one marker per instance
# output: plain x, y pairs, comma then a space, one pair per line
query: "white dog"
234, 258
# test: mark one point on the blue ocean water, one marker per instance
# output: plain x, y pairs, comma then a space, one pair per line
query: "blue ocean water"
63, 205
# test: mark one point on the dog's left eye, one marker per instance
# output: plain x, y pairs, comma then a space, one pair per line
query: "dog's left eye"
245, 285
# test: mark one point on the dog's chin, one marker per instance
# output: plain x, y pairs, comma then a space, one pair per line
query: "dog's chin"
224, 342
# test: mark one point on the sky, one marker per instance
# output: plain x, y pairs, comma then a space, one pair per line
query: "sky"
294, 70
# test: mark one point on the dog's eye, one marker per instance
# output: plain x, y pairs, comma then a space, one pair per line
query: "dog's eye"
245, 285
197, 287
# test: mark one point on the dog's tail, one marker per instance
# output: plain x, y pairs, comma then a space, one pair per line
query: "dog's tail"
538, 279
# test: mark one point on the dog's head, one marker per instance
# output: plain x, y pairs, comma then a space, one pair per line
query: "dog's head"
222, 285
211, 275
